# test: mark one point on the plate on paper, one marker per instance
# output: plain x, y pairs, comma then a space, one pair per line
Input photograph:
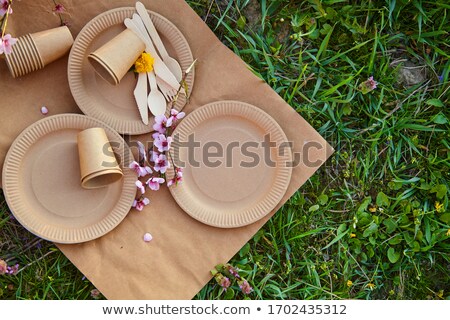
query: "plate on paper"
115, 105
230, 179
41, 182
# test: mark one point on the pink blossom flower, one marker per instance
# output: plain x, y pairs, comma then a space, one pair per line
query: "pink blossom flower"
140, 186
368, 85
5, 7
162, 143
141, 203
154, 183
177, 179
245, 287
233, 272
13, 270
153, 156
44, 110
372, 84
141, 171
6, 44
175, 116
160, 124
59, 8
95, 293
5, 269
148, 237
225, 283
161, 163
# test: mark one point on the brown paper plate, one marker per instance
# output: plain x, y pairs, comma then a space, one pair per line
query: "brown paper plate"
230, 189
115, 105
41, 182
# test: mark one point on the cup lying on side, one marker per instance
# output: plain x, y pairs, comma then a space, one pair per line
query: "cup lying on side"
98, 164
36, 50
115, 58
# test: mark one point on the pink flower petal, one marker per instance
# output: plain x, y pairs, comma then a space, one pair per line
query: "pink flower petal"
44, 110
148, 237
140, 186
181, 115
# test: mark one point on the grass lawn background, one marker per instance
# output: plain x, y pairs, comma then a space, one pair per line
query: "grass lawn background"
374, 221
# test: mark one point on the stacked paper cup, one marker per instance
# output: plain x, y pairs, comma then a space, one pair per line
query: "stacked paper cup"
34, 51
98, 163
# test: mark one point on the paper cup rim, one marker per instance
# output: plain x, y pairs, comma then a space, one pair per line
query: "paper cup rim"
92, 57
112, 176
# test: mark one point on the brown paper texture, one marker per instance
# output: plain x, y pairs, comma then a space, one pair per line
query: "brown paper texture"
176, 263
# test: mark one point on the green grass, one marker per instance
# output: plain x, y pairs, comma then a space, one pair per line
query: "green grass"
369, 214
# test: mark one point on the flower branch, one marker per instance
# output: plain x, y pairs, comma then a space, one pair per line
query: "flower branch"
6, 40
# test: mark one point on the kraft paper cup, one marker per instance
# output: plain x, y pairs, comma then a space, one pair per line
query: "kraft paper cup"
52, 44
115, 58
98, 164
34, 51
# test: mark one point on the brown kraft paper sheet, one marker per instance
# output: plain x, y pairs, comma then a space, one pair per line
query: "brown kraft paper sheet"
176, 264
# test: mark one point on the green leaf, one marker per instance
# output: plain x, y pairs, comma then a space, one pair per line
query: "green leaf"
440, 190
395, 185
323, 199
371, 229
346, 110
325, 29
339, 237
390, 224
364, 218
241, 22
396, 240
392, 255
370, 251
435, 103
258, 235
342, 228
245, 250
440, 118
331, 13
383, 200
445, 218
364, 204
408, 238
314, 208
229, 294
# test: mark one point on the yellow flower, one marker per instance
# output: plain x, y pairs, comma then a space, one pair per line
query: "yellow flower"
373, 209
439, 206
371, 286
349, 283
352, 235
144, 63
448, 233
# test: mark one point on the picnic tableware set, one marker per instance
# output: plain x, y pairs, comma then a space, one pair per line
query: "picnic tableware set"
66, 177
